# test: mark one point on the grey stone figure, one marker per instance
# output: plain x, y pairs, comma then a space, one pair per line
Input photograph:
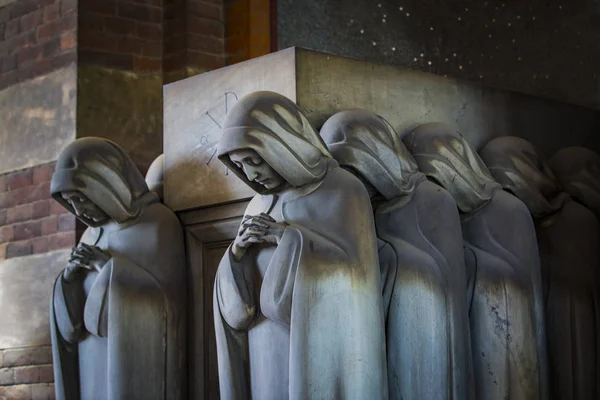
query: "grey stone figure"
297, 300
578, 172
155, 176
505, 297
421, 259
568, 236
118, 311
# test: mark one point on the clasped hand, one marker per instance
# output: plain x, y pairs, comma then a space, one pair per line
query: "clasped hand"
87, 257
260, 228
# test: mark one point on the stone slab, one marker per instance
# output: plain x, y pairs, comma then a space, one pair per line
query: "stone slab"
323, 84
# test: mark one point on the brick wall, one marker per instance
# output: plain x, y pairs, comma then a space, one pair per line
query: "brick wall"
31, 222
26, 373
36, 36
205, 35
121, 34
248, 29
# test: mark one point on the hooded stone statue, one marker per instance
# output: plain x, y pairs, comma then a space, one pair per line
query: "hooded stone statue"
578, 172
505, 296
421, 260
297, 299
568, 236
118, 310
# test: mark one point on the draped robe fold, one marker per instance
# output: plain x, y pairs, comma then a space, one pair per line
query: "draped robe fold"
506, 310
570, 257
120, 333
428, 347
311, 306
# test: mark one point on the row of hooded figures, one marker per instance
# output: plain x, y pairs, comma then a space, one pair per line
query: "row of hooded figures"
367, 266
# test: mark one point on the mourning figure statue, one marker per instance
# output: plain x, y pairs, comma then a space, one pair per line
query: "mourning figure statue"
420, 256
505, 298
297, 300
155, 176
578, 172
568, 236
118, 309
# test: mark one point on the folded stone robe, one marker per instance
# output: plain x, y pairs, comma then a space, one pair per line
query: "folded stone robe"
122, 331
428, 345
313, 327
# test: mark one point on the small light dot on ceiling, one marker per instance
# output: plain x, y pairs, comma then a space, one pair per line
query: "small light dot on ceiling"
374, 43
400, 8
383, 20
384, 15
393, 49
466, 9
519, 58
533, 18
509, 24
408, 14
379, 5
453, 54
459, 18
446, 59
415, 59
422, 55
518, 17
490, 35
429, 62
362, 31
493, 20
460, 67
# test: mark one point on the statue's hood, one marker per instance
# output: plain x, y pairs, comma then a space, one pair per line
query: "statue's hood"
446, 157
366, 144
577, 169
274, 127
105, 174
515, 163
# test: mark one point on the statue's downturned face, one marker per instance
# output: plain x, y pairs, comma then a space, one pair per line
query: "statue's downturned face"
84, 207
256, 169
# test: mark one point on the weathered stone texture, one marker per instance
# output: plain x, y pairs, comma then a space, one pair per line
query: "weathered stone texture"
38, 120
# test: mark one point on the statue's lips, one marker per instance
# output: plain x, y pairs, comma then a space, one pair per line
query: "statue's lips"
265, 182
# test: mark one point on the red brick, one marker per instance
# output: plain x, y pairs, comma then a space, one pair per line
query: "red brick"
68, 6
119, 26
9, 63
108, 7
52, 12
19, 213
11, 28
16, 392
6, 234
2, 217
209, 61
89, 21
31, 20
56, 28
2, 257
30, 54
43, 173
21, 41
205, 44
51, 47
7, 199
3, 185
56, 207
97, 41
206, 10
49, 225
61, 240
33, 374
7, 376
4, 11
147, 64
41, 209
68, 41
140, 12
8, 79
22, 7
26, 356
18, 249
148, 31
66, 222
130, 45
27, 230
207, 27
40, 245
42, 391
19, 179
31, 193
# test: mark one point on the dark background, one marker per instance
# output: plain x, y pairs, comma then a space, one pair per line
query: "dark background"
545, 48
